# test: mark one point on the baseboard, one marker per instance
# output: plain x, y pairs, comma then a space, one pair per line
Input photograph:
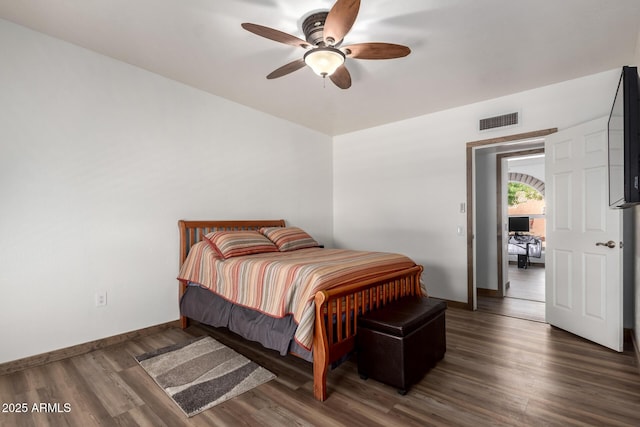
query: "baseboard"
532, 264
636, 346
489, 293
76, 350
458, 304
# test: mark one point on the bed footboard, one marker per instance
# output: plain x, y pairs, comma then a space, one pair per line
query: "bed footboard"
337, 312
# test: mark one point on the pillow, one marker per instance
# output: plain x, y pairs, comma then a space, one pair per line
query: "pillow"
289, 238
237, 243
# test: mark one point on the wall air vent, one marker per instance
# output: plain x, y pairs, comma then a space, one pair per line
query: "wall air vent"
489, 123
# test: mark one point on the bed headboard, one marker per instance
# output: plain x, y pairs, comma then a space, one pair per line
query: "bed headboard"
191, 232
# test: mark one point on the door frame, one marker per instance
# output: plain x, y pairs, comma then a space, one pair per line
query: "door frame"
471, 148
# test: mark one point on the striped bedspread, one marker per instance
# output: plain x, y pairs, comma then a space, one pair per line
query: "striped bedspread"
280, 283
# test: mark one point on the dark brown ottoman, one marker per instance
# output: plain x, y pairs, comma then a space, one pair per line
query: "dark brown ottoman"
398, 344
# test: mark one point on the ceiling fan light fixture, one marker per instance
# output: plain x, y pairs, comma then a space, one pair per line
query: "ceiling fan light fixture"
324, 61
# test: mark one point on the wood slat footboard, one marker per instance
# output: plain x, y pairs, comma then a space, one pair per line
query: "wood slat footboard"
337, 312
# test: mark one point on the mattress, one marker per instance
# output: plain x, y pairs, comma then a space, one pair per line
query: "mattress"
284, 284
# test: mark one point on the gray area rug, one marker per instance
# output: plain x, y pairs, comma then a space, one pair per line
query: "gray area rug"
201, 373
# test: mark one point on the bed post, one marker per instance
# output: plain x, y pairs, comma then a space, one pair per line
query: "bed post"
184, 321
320, 350
184, 249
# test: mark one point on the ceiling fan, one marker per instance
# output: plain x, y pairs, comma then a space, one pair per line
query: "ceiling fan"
324, 33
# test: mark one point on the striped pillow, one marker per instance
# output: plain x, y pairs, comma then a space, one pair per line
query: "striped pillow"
237, 243
289, 238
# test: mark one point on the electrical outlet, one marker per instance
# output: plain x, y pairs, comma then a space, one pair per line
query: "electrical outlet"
101, 298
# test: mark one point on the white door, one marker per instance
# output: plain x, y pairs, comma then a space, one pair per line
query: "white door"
583, 279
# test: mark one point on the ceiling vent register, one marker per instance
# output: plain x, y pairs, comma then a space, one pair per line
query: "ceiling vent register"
489, 123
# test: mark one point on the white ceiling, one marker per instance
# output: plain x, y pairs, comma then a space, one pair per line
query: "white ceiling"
463, 51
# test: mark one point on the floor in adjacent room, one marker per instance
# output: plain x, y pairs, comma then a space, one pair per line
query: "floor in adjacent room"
525, 297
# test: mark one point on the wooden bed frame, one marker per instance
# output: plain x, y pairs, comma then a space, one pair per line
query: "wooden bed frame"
337, 309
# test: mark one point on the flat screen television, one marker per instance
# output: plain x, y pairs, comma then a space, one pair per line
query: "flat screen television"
624, 142
519, 224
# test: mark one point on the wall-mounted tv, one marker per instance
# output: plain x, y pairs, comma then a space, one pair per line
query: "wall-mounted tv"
624, 142
519, 224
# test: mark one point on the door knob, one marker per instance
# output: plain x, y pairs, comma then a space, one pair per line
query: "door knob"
610, 244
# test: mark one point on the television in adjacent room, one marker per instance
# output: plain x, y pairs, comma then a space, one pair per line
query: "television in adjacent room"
624, 141
519, 224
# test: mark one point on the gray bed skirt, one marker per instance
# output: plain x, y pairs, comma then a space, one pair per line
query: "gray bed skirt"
206, 307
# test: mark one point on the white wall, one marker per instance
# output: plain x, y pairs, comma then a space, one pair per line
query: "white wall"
398, 187
98, 161
486, 221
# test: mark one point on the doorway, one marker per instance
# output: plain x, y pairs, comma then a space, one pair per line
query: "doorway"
585, 276
487, 249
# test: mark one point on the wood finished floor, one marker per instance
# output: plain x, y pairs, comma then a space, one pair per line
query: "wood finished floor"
523, 299
497, 371
526, 283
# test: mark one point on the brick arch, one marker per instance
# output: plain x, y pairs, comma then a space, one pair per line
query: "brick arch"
531, 181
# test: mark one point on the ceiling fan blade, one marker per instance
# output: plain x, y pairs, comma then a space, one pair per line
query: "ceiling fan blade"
275, 35
286, 69
341, 77
376, 51
340, 20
